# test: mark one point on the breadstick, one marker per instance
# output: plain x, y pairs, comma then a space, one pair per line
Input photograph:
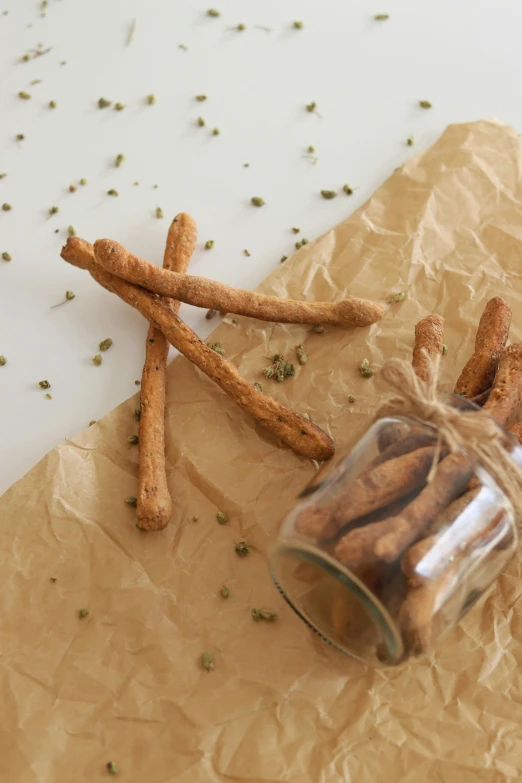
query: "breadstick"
492, 333
418, 610
428, 344
371, 490
305, 438
114, 258
154, 506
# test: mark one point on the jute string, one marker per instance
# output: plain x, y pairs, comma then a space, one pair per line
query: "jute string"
475, 433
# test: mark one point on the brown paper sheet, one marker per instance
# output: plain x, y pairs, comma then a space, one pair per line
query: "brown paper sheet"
125, 684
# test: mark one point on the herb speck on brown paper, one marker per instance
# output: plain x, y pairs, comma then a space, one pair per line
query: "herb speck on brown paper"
82, 613
365, 369
131, 501
302, 356
221, 517
207, 661
242, 548
225, 592
217, 347
396, 298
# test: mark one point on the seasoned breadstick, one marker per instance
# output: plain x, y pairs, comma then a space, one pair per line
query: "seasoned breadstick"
154, 507
492, 333
114, 258
299, 433
428, 344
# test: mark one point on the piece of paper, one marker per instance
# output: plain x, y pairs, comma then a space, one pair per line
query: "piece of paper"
125, 684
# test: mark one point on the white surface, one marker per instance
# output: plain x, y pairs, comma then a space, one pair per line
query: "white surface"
365, 76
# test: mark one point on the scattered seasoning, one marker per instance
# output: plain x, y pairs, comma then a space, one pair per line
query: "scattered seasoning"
295, 230
302, 356
72, 188
444, 349
396, 298
48, 396
283, 259
112, 192
25, 96
52, 104
246, 253
132, 439
225, 592
135, 183
257, 201
210, 314
201, 98
310, 148
113, 768
195, 518
410, 141
256, 615
6, 207
328, 194
246, 165
182, 46
52, 579
35, 81
68, 296
263, 614
365, 369
105, 344
298, 245
54, 210
44, 384
119, 106
240, 27
235, 321
216, 132
213, 12
103, 103
83, 181
242, 548
137, 414
381, 17
318, 329
280, 370
306, 416
83, 613
131, 501
298, 25
200, 122
130, 34
3, 175
351, 398
209, 244
151, 99
207, 661
20, 137
425, 104
159, 213
222, 518
119, 160
258, 386
3, 361
97, 360
218, 348
137, 383
71, 231
93, 421
311, 106
348, 190
6, 256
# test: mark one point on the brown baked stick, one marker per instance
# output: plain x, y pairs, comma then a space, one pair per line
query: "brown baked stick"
299, 433
371, 490
419, 608
492, 333
428, 344
154, 507
114, 258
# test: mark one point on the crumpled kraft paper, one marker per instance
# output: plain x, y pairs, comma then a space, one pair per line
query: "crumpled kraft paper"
126, 683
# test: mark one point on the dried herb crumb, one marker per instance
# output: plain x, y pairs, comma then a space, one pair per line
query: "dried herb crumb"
112, 192
97, 360
222, 518
209, 244
410, 141
209, 315
310, 148
257, 201
72, 188
83, 181
365, 369
225, 592
348, 190
103, 103
246, 253
258, 386
444, 349
133, 439
151, 99
6, 256
68, 296
280, 369
298, 25
137, 383
137, 414
351, 398
200, 122
298, 245
52, 104
425, 104
295, 230
54, 210
52, 579
3, 175
283, 259
213, 12
396, 298
119, 106
263, 614
131, 501
302, 356
195, 518
3, 361
20, 137
135, 184
216, 132
246, 165
201, 98
44, 384
159, 213
25, 96
381, 17
48, 396
119, 160
242, 548
218, 348
105, 344
328, 194
235, 321
311, 106
318, 329
6, 207
93, 421
112, 768
207, 661
83, 613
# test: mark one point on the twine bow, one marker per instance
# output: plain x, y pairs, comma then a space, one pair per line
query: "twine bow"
473, 432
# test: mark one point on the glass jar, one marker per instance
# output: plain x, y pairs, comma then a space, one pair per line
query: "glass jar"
380, 561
